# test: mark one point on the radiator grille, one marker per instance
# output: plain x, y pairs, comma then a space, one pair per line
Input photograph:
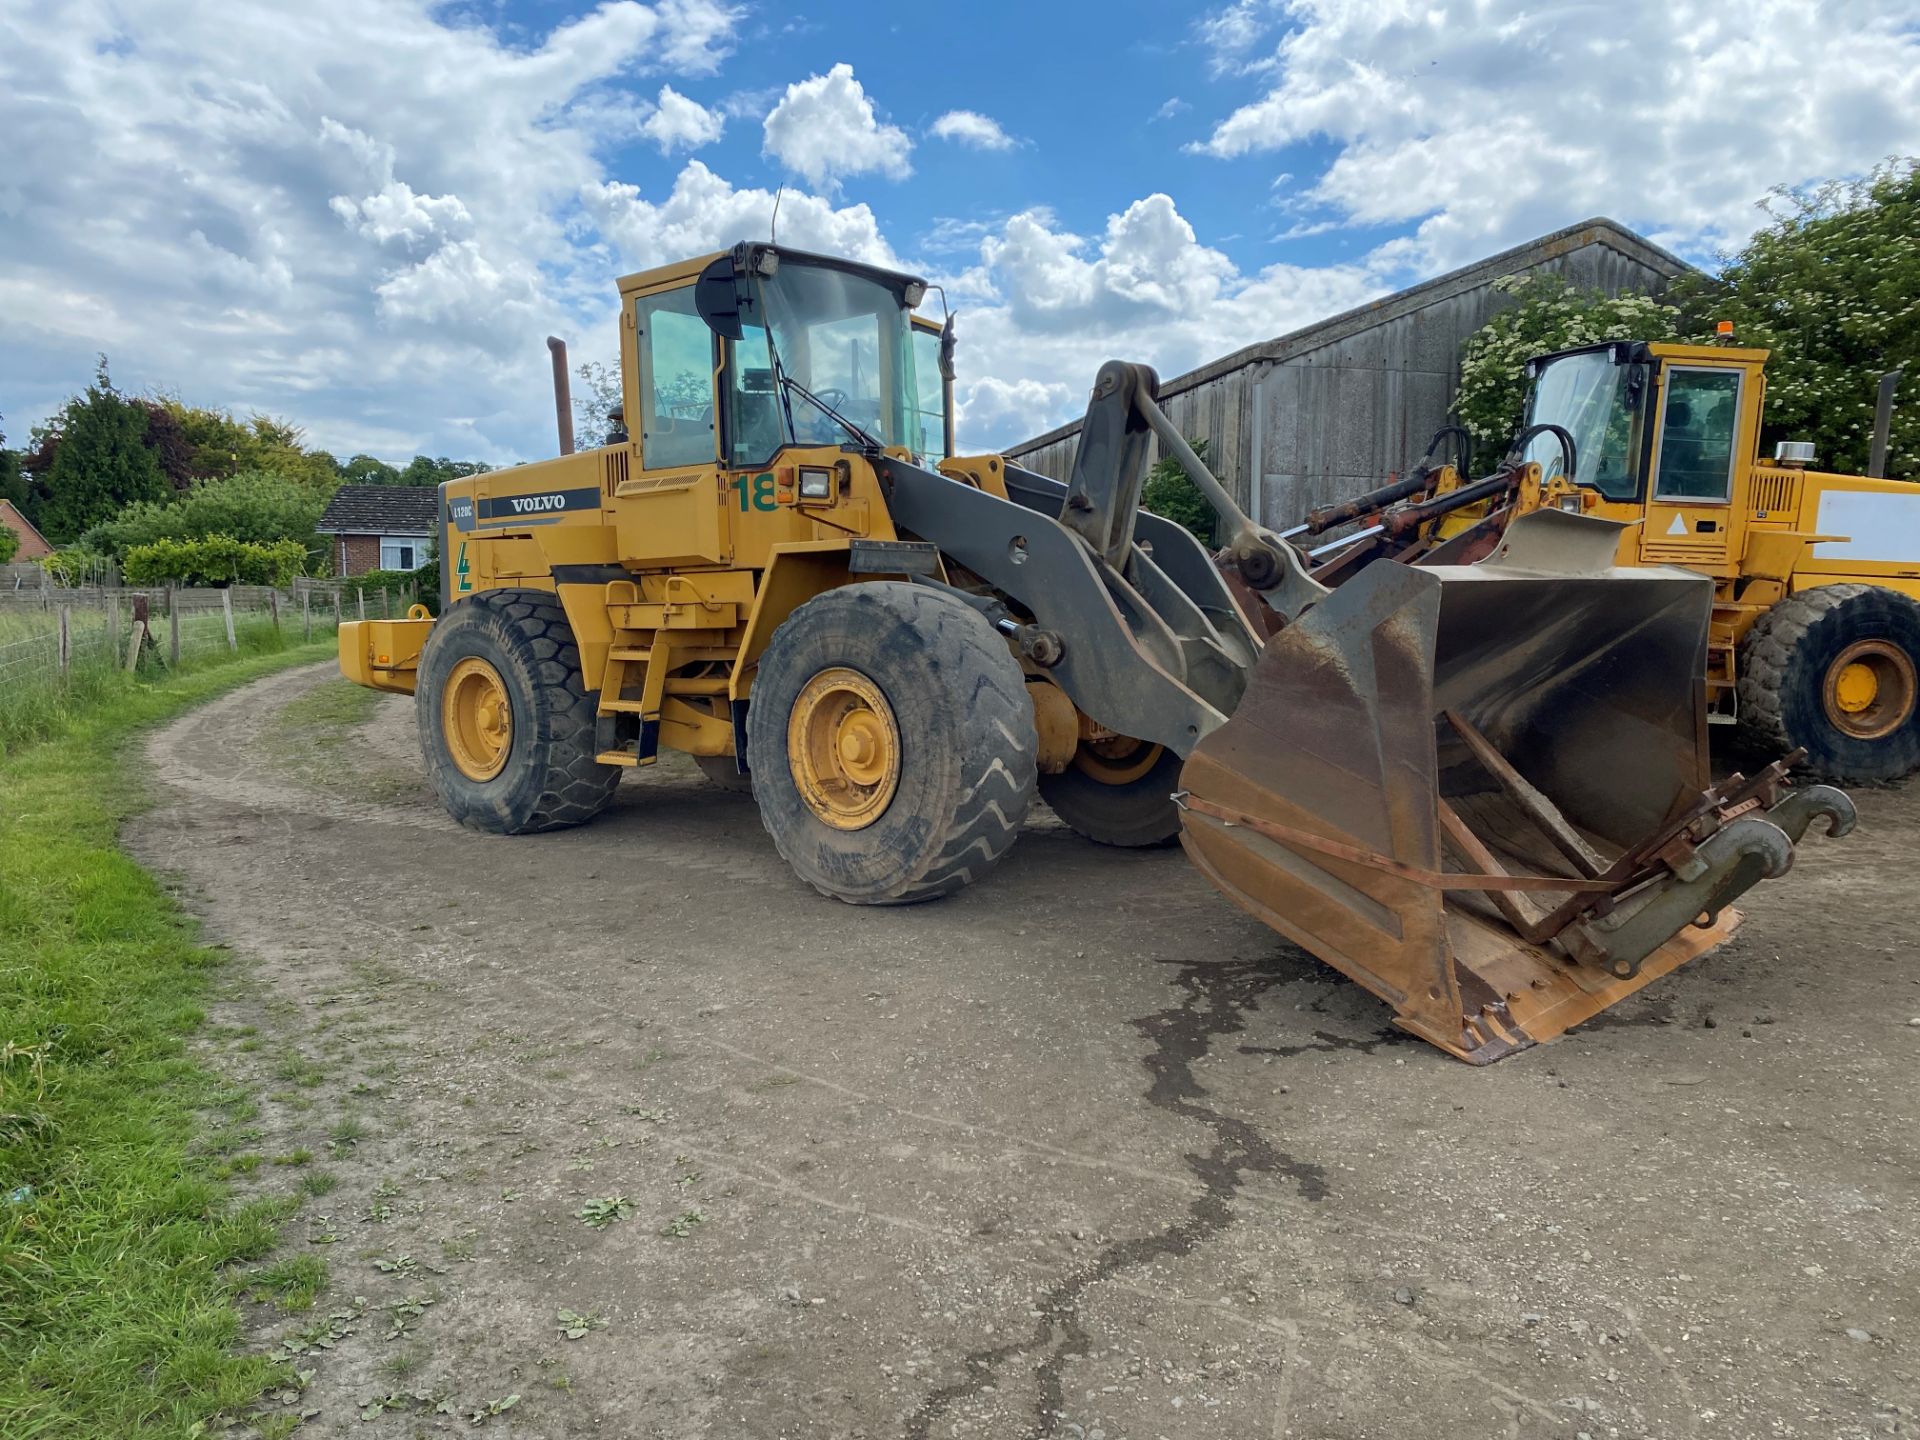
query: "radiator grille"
614, 468
1775, 492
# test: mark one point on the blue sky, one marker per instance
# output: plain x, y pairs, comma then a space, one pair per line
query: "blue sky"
365, 216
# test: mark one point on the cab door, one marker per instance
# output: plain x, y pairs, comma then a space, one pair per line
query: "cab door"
1701, 430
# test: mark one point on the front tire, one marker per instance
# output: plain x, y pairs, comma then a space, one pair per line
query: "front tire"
891, 744
506, 721
1833, 670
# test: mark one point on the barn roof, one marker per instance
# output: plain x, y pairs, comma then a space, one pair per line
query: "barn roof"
381, 510
1597, 231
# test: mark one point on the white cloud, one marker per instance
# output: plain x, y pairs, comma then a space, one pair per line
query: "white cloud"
1675, 116
1043, 308
970, 127
824, 128
252, 205
704, 212
681, 124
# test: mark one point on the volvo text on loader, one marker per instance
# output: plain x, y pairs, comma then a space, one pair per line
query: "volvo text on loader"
1499, 830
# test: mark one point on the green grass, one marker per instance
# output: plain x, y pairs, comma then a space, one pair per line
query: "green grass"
118, 1259
42, 705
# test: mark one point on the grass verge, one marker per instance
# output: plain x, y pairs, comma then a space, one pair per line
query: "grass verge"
117, 1233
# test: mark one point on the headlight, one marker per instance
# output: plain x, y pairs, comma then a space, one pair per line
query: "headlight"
816, 484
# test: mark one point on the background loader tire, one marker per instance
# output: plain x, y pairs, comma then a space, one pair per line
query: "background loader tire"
721, 771
548, 778
1791, 665
961, 723
1133, 813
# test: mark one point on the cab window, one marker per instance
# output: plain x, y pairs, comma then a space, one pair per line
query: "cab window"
676, 381
1697, 428
754, 428
929, 400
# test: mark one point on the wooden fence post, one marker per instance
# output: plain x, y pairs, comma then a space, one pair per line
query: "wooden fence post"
273, 608
66, 639
134, 644
386, 603
336, 608
306, 613
173, 628
226, 606
113, 614
362, 594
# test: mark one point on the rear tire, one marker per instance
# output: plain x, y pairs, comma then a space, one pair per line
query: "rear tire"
1102, 801
515, 646
1800, 677
723, 772
927, 710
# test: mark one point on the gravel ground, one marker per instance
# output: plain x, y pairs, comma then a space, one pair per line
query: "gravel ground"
1080, 1152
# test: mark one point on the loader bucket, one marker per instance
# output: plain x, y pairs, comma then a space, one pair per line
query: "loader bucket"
1482, 791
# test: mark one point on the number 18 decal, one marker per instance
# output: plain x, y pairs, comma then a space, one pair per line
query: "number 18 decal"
760, 497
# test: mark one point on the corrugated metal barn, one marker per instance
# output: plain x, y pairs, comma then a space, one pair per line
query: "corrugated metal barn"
1336, 408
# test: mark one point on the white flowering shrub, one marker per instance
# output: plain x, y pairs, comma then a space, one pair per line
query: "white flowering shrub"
1548, 315
1832, 288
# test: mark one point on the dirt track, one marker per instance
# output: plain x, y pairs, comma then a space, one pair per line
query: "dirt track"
1081, 1152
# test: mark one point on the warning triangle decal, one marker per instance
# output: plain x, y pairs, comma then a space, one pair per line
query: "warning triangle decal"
1679, 525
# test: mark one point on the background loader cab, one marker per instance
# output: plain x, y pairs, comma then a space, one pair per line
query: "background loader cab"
1815, 630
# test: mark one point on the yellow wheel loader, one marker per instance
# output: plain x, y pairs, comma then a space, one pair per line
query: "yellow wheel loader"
1499, 829
1815, 639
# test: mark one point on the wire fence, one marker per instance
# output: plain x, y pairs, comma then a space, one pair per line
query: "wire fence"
48, 632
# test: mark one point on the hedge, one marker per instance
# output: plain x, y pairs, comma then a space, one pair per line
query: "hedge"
213, 560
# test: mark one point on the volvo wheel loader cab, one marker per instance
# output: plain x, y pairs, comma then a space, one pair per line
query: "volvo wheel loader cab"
779, 573
1816, 627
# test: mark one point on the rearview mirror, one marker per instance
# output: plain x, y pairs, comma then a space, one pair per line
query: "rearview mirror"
946, 349
723, 297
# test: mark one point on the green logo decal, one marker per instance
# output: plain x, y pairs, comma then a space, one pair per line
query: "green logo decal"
460, 569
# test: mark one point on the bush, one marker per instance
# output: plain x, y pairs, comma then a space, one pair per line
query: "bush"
9, 544
1550, 315
424, 584
1172, 495
213, 560
1832, 288
253, 506
77, 565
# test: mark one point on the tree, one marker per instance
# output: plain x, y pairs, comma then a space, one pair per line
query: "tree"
593, 404
1171, 494
365, 470
9, 543
1548, 314
422, 471
255, 507
13, 484
98, 461
1832, 288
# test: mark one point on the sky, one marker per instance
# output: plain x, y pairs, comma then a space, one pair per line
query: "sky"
365, 216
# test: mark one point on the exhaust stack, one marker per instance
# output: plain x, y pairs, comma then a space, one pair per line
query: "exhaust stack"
562, 393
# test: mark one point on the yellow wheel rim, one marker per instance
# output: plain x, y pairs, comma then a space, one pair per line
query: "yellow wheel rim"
1116, 759
1870, 689
477, 719
843, 748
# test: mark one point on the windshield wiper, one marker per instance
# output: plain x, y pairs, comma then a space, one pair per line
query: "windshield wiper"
832, 414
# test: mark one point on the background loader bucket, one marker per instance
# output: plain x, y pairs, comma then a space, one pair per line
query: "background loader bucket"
1532, 718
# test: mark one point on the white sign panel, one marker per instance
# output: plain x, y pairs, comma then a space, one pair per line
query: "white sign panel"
1877, 527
